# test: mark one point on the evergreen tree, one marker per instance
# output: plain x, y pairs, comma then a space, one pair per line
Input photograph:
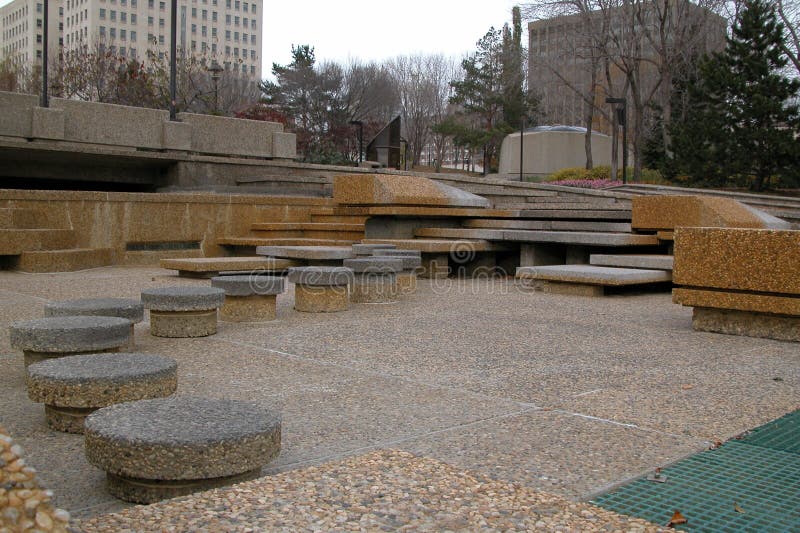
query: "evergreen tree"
742, 120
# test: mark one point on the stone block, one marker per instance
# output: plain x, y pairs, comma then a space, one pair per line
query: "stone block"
321, 298
369, 288
380, 189
249, 285
370, 249
17, 112
254, 308
48, 123
177, 136
231, 136
321, 276
376, 265
649, 261
766, 261
670, 212
284, 145
182, 312
324, 253
593, 275
738, 301
731, 322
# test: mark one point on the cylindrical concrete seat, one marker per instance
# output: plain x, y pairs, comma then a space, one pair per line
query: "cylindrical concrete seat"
375, 279
73, 387
368, 249
183, 311
168, 447
52, 337
133, 310
249, 298
406, 278
320, 289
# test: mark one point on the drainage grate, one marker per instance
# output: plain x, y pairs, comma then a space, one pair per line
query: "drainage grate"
707, 487
782, 434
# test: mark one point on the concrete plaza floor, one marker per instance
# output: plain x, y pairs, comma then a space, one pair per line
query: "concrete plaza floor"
567, 395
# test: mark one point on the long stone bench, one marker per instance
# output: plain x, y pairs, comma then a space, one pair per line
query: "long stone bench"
375, 279
740, 281
73, 387
586, 280
249, 298
209, 267
320, 289
183, 311
168, 447
132, 310
53, 337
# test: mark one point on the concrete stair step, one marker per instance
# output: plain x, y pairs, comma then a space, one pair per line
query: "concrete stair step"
153, 257
307, 253
577, 214
556, 206
260, 241
559, 225
207, 267
645, 261
16, 241
308, 234
20, 218
594, 275
64, 260
308, 230
316, 226
337, 219
461, 247
583, 238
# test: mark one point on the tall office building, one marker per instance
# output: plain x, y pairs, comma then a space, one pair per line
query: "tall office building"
22, 29
229, 31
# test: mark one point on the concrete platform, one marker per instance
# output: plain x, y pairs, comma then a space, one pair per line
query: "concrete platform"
648, 261
208, 267
441, 245
325, 253
594, 275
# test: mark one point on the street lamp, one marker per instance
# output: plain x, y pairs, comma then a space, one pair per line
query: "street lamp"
521, 142
360, 125
216, 73
45, 99
173, 60
620, 107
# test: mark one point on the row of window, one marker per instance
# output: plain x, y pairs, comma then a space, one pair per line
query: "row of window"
19, 29
15, 16
72, 20
244, 7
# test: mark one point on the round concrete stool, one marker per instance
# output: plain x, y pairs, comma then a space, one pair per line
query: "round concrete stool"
48, 338
133, 310
406, 278
375, 279
168, 447
73, 387
368, 249
249, 298
320, 289
183, 311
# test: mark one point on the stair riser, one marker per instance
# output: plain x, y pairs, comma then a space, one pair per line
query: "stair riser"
14, 242
338, 219
64, 260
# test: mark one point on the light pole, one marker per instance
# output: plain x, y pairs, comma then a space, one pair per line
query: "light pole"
360, 125
45, 100
621, 107
521, 144
216, 73
173, 64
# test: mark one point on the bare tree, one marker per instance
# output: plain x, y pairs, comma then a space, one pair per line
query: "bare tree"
789, 13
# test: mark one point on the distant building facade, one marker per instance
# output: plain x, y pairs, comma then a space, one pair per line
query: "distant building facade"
229, 31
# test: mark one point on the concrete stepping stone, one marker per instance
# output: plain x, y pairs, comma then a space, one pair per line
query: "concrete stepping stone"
587, 280
52, 337
321, 289
182, 311
369, 249
73, 387
249, 298
133, 310
412, 263
168, 447
375, 279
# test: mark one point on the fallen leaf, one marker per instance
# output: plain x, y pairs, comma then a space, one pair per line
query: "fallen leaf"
715, 444
677, 519
737, 508
688, 386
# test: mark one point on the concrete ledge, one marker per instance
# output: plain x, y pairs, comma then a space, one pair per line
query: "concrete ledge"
650, 261
47, 123
284, 145
670, 212
374, 265
307, 252
231, 136
369, 249
17, 112
177, 136
746, 323
377, 189
737, 301
209, 267
593, 275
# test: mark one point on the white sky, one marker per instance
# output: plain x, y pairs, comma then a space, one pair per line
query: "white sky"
375, 29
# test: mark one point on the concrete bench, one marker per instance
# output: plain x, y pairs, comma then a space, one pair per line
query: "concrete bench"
52, 337
586, 280
375, 279
73, 387
321, 289
133, 310
168, 447
249, 298
412, 263
368, 249
182, 311
209, 267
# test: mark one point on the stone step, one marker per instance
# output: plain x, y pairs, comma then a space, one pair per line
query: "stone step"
308, 230
496, 190
64, 260
153, 257
260, 241
564, 206
20, 218
646, 261
16, 241
315, 226
324, 253
558, 225
456, 246
336, 219
208, 267
594, 275
577, 214
586, 238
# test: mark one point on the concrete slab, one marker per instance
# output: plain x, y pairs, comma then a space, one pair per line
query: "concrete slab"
648, 261
593, 275
581, 237
560, 225
211, 266
441, 245
307, 252
577, 214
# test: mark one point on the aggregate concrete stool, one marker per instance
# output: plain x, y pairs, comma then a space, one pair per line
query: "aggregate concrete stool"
51, 337
249, 298
133, 310
367, 249
321, 289
73, 387
169, 447
375, 279
412, 262
183, 311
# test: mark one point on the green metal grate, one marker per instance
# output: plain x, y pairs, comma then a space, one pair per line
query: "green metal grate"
760, 474
782, 434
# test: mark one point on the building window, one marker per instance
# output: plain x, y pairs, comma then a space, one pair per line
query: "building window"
205, 14
252, 70
151, 38
149, 21
133, 19
235, 51
194, 28
228, 20
253, 39
194, 45
102, 30
38, 54
133, 53
253, 8
227, 50
38, 23
213, 16
151, 4
38, 8
244, 22
236, 36
213, 48
113, 16
253, 24
194, 12
214, 33
228, 4
227, 35
203, 31
133, 5
253, 55
123, 17
123, 2
112, 32
38, 37
204, 46
244, 7
162, 6
236, 20
133, 37
237, 5
160, 23
244, 38
123, 35
160, 39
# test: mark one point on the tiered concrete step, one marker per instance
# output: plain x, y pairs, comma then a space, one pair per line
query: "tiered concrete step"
309, 230
64, 260
645, 261
209, 267
16, 241
260, 241
622, 214
19, 218
584, 238
443, 245
308, 253
557, 225
587, 280
562, 205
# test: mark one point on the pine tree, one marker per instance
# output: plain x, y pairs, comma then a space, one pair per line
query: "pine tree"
742, 119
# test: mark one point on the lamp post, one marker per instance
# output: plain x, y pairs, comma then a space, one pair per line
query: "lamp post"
216, 73
521, 144
620, 108
173, 65
45, 100
360, 125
